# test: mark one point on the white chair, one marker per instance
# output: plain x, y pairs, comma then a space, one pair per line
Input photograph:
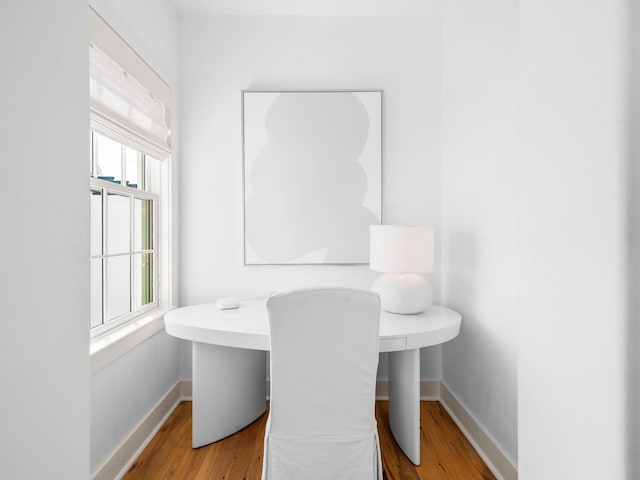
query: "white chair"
324, 358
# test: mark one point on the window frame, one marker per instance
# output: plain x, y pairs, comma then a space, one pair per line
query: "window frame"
107, 187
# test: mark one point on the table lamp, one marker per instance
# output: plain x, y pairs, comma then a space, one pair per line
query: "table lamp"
403, 254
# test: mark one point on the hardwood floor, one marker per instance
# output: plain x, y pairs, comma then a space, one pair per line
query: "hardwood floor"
445, 452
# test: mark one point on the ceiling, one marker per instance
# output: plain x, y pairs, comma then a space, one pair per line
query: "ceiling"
307, 7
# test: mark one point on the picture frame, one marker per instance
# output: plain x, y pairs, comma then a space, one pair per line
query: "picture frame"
312, 175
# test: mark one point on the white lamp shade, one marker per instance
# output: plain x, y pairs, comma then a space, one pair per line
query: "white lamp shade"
401, 249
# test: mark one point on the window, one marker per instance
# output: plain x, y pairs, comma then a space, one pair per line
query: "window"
123, 233
129, 123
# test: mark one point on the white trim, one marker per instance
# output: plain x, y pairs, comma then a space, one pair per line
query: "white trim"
186, 389
382, 390
113, 344
497, 461
130, 449
429, 390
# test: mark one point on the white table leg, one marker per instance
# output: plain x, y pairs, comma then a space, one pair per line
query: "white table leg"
229, 391
404, 401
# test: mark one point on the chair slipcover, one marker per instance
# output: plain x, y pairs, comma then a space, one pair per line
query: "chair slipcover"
324, 359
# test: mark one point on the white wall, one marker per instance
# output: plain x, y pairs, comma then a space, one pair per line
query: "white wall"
220, 56
124, 392
44, 272
479, 202
150, 27
633, 225
559, 268
573, 155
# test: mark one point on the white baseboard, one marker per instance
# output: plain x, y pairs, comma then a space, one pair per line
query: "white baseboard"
493, 456
433, 390
429, 390
123, 457
186, 390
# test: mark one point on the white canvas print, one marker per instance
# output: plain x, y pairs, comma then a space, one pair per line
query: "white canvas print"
312, 175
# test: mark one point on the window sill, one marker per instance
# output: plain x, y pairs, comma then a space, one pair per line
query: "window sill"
111, 345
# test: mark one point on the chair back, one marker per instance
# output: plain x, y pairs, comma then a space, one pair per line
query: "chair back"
324, 360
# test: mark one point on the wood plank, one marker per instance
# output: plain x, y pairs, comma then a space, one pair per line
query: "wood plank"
444, 451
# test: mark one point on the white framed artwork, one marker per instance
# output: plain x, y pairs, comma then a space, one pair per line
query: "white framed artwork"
312, 165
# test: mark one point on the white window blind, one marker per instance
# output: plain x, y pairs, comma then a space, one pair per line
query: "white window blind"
129, 100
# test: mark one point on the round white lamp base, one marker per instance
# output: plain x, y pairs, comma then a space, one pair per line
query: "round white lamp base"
405, 293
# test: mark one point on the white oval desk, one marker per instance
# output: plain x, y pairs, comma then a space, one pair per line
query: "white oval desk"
229, 366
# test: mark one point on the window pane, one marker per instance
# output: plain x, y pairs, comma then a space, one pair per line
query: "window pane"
133, 167
142, 224
96, 292
118, 286
142, 277
118, 223
109, 158
96, 222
